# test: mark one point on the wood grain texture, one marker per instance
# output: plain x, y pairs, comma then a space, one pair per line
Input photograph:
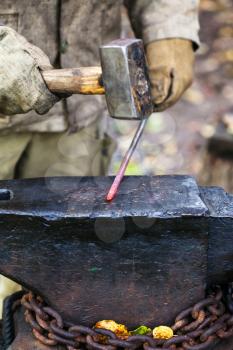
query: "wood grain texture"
84, 80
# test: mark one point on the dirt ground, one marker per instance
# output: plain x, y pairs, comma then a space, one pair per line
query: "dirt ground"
174, 140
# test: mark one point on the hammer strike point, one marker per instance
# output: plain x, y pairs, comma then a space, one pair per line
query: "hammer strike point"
116, 183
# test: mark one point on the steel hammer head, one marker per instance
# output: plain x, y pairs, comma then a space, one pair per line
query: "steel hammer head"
125, 78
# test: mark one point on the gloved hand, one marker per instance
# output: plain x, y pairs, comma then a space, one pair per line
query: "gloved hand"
22, 87
170, 69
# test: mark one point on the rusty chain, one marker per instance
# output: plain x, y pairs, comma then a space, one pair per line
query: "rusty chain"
196, 328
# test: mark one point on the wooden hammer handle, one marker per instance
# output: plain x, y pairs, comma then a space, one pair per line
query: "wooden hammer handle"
84, 80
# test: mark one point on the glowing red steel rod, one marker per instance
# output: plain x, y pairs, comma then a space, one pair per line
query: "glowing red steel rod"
116, 183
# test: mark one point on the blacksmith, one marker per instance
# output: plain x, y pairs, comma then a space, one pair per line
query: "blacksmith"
43, 135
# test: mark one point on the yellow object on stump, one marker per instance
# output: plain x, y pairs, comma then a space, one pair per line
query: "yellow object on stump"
162, 332
119, 329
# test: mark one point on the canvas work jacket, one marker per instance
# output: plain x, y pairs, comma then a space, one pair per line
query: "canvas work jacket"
70, 33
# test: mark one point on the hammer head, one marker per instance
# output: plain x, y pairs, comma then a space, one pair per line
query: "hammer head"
125, 78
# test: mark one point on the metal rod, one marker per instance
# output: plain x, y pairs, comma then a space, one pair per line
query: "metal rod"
116, 183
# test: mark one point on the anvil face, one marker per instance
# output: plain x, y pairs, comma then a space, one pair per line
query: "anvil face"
125, 78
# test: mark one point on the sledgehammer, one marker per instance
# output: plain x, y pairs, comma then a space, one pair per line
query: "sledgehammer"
122, 77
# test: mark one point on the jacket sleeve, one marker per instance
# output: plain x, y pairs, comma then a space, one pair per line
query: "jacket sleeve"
161, 19
22, 87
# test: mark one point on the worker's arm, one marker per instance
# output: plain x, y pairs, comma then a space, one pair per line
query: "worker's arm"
22, 87
170, 33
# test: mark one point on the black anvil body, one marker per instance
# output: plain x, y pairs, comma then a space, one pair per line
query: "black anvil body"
140, 259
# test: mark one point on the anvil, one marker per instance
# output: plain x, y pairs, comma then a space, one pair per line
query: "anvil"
138, 260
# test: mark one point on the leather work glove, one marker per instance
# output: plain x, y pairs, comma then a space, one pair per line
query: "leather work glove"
170, 69
22, 87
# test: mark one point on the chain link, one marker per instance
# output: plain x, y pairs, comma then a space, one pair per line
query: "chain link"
196, 328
